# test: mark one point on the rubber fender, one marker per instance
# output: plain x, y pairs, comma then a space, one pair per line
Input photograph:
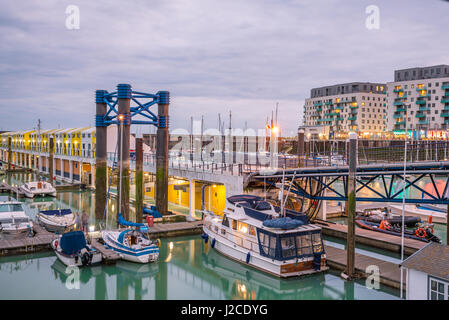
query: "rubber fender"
248, 256
213, 243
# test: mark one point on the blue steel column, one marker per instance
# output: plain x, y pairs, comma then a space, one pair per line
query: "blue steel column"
124, 102
100, 155
162, 139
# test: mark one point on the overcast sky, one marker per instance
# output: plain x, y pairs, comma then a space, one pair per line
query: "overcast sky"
213, 56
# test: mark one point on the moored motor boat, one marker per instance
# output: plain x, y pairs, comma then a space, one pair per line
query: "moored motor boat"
71, 248
36, 188
13, 219
419, 210
59, 221
377, 216
252, 232
131, 244
424, 232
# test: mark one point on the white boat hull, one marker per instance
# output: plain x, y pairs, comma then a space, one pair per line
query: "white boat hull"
54, 226
139, 256
72, 261
412, 210
239, 254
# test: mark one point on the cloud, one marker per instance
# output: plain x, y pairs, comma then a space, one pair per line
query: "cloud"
213, 56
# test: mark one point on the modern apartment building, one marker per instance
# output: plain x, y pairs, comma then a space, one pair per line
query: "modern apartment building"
356, 106
418, 99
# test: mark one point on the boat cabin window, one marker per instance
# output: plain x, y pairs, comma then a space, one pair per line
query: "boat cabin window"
11, 207
234, 224
252, 230
225, 221
288, 246
21, 220
242, 227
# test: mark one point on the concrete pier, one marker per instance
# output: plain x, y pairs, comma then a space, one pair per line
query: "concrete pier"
101, 170
139, 179
162, 153
124, 103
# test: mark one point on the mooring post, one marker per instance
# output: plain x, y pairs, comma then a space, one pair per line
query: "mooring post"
162, 138
124, 94
9, 153
51, 151
139, 179
350, 204
100, 155
301, 148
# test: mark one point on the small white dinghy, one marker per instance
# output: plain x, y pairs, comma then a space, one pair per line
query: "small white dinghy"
13, 219
59, 221
131, 244
71, 248
35, 188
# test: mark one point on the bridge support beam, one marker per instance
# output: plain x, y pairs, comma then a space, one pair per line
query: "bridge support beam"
139, 179
162, 140
100, 157
350, 205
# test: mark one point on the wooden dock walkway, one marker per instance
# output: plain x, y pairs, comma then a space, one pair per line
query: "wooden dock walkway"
372, 238
41, 241
164, 230
108, 255
390, 273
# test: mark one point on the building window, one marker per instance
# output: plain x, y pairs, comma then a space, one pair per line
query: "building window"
438, 290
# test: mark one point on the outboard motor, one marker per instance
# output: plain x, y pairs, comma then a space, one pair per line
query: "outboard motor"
86, 257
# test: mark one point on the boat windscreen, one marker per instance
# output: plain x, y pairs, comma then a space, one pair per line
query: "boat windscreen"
16, 207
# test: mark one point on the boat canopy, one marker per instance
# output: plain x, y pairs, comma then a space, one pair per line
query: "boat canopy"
244, 197
72, 242
122, 235
124, 222
283, 223
61, 212
290, 245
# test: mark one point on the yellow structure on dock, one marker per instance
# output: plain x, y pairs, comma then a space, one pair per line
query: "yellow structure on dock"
74, 162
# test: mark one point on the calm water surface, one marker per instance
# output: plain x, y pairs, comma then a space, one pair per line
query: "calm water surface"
187, 269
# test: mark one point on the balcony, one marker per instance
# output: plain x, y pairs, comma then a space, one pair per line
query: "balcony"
352, 118
339, 107
398, 90
328, 103
421, 102
420, 115
319, 109
445, 100
424, 108
445, 114
397, 116
423, 121
339, 119
400, 110
317, 104
445, 86
446, 94
398, 103
400, 123
421, 88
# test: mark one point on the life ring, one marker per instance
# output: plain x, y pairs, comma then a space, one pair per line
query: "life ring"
421, 233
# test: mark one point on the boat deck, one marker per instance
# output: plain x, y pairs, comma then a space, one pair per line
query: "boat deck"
372, 238
390, 273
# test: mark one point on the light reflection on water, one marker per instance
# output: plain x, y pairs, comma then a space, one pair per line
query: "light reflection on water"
187, 271
190, 270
